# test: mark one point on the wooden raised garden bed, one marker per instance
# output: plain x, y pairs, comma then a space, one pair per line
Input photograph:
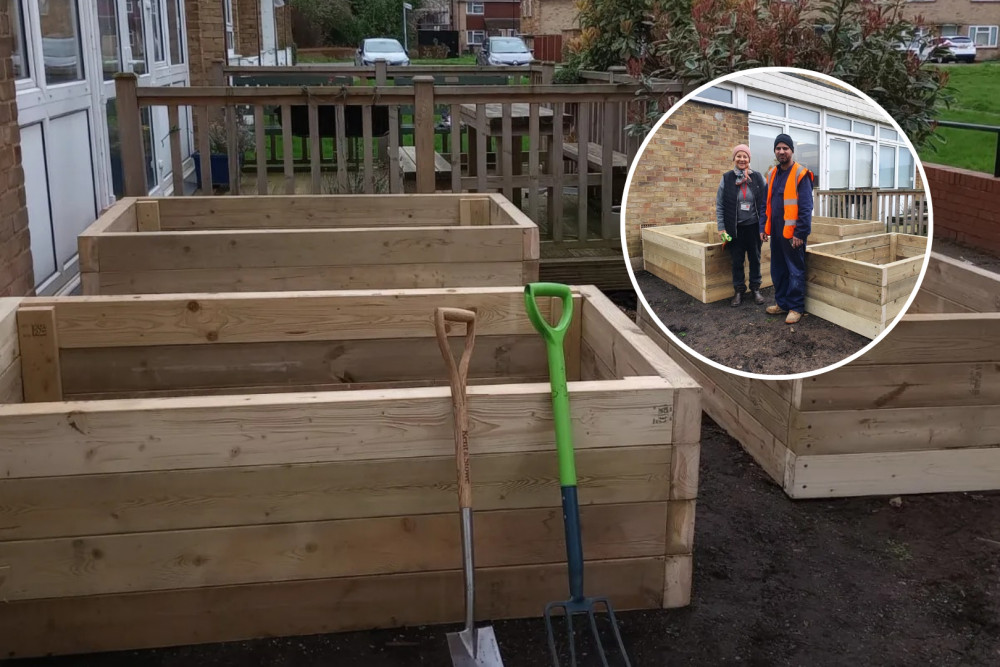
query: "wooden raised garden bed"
827, 230
202, 468
862, 284
919, 413
691, 259
307, 242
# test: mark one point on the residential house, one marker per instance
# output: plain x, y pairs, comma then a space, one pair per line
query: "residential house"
63, 57
548, 24
978, 19
61, 152
475, 20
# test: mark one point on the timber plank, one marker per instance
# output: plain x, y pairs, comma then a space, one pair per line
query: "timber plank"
38, 341
179, 367
9, 349
290, 211
39, 440
928, 338
11, 388
890, 473
927, 303
292, 278
894, 429
200, 615
844, 285
853, 387
306, 247
171, 500
975, 288
841, 317
623, 345
172, 319
843, 266
769, 452
103, 564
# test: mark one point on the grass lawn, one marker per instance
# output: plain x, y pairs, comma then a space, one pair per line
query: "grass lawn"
976, 89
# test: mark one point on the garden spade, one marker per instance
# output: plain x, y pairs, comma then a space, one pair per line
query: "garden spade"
472, 647
577, 603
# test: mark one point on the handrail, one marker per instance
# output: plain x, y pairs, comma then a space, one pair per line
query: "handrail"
979, 128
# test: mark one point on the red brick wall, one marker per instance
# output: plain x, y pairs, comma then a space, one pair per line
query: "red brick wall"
16, 275
677, 175
966, 206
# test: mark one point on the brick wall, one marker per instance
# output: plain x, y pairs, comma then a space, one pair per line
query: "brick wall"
206, 38
548, 17
246, 24
677, 175
16, 276
965, 206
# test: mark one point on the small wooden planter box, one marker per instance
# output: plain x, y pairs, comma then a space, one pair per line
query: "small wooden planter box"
862, 284
307, 242
691, 259
827, 230
202, 468
916, 414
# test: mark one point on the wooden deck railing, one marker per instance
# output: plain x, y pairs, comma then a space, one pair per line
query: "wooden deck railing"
900, 210
516, 116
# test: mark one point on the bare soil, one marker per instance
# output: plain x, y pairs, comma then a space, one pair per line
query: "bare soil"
746, 338
776, 582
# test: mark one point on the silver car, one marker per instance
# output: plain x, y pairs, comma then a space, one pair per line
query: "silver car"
504, 51
381, 48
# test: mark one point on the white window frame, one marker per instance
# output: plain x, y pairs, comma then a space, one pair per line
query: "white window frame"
729, 90
526, 8
27, 49
991, 37
470, 8
470, 37
227, 18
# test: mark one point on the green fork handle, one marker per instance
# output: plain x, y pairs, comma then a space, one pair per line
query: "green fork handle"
553, 336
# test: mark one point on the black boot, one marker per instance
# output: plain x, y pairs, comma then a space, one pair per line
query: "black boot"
737, 300
758, 297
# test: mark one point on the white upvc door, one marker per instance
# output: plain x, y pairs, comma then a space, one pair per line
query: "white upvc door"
62, 165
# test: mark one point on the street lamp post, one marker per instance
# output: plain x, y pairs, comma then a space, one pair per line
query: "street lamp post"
406, 6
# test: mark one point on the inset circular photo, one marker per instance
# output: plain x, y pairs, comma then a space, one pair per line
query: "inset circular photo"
775, 223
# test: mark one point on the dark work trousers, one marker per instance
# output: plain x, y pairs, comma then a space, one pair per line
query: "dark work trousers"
788, 273
746, 244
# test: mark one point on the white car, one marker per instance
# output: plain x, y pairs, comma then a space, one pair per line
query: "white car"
953, 48
381, 48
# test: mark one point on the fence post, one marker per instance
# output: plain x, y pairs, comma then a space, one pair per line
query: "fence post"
873, 215
380, 73
216, 75
548, 72
130, 134
614, 71
423, 131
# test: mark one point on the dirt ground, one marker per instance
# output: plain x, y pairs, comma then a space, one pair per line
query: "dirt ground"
776, 582
746, 338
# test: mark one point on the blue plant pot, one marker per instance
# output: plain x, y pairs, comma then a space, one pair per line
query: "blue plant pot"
220, 168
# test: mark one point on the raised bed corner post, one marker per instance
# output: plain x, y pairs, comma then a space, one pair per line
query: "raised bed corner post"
130, 134
423, 131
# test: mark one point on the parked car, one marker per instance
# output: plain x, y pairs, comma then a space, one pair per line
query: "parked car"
381, 48
504, 51
953, 48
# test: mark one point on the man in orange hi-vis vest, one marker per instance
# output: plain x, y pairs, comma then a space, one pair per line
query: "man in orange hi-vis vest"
788, 223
